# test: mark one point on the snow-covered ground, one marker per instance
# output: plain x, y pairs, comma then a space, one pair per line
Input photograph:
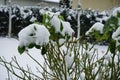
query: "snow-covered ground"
8, 49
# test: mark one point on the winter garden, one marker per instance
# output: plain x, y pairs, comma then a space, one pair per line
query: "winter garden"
60, 44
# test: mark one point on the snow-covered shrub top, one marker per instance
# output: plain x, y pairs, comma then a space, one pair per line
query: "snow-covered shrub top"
116, 36
97, 27
23, 16
34, 33
116, 33
60, 26
37, 35
116, 11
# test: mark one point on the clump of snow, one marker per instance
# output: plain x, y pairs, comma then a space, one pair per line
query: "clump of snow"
88, 15
67, 29
57, 23
105, 18
34, 33
9, 45
82, 76
116, 36
33, 19
25, 13
97, 27
61, 41
69, 58
115, 11
42, 11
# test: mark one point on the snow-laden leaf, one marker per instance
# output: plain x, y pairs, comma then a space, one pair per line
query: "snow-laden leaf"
61, 17
44, 19
31, 45
37, 46
21, 49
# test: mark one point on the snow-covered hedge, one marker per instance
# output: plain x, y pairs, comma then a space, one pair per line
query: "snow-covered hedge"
23, 16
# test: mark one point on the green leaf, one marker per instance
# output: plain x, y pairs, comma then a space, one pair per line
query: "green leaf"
44, 19
61, 27
37, 46
21, 49
110, 24
118, 48
112, 46
35, 28
44, 50
118, 14
31, 45
97, 35
61, 17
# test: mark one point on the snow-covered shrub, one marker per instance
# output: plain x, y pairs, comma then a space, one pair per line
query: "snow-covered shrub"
110, 32
105, 31
95, 32
34, 35
24, 16
56, 52
96, 27
87, 19
68, 58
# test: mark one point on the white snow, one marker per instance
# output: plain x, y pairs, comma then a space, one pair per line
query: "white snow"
33, 19
105, 18
116, 36
115, 11
82, 76
8, 49
97, 27
57, 23
34, 33
25, 14
9, 46
67, 29
53, 0
69, 58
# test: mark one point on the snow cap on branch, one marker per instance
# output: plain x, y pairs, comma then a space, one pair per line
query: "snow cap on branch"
97, 27
34, 33
61, 26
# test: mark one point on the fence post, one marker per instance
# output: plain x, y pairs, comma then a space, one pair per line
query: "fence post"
10, 19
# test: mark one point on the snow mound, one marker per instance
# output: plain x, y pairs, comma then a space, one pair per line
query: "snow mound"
34, 33
97, 27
